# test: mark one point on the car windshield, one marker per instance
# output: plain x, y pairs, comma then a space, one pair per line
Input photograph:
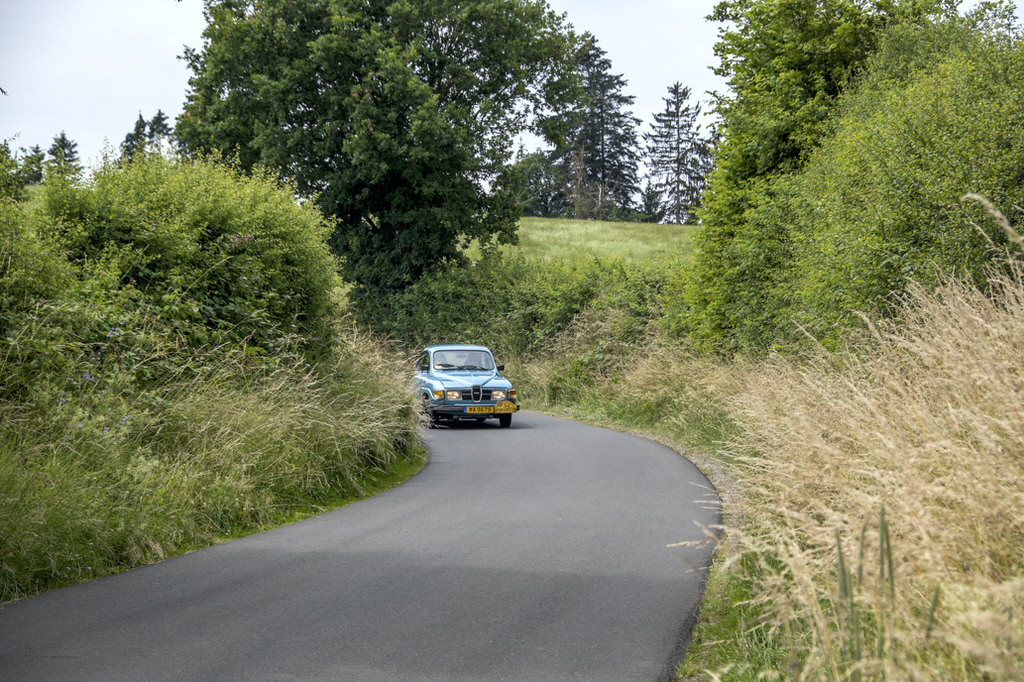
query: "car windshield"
461, 359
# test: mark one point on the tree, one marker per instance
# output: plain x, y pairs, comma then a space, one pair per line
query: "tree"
158, 128
677, 156
786, 62
135, 140
11, 180
544, 185
398, 116
147, 134
63, 155
652, 205
32, 165
16, 173
601, 152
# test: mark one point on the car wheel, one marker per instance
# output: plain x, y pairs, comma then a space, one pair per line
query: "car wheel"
504, 420
425, 416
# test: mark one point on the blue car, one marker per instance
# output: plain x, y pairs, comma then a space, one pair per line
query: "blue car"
461, 382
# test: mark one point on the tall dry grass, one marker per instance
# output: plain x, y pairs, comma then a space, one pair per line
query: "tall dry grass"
886, 493
874, 498
111, 478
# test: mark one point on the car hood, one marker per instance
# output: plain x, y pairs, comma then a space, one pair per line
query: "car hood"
467, 378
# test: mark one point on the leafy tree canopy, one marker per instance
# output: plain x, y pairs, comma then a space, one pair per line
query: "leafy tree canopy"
399, 116
544, 186
786, 62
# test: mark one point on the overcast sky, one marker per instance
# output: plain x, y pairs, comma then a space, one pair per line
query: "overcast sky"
89, 67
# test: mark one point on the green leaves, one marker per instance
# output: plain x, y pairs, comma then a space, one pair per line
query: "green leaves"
225, 257
830, 195
398, 118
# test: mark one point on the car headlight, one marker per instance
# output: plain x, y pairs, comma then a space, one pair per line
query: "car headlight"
454, 395
438, 395
498, 394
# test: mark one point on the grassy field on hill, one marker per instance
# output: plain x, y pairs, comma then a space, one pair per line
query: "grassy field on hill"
564, 239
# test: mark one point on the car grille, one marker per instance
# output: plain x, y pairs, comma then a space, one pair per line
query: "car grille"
476, 394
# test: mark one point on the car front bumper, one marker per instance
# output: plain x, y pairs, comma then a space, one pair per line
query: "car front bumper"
474, 410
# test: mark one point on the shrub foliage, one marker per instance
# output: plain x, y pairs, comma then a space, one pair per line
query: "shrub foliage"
875, 202
175, 369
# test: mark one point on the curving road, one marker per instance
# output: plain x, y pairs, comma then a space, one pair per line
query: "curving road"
539, 552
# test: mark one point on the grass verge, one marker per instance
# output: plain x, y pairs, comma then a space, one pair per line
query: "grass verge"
106, 477
872, 497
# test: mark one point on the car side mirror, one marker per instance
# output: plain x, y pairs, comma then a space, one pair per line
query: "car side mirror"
500, 368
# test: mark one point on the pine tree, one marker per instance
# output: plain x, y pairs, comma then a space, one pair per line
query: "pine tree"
678, 158
32, 165
63, 154
135, 140
601, 155
652, 207
158, 128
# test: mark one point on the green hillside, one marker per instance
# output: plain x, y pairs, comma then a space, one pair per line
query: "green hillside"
565, 239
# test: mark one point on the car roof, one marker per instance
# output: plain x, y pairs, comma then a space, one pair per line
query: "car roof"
456, 346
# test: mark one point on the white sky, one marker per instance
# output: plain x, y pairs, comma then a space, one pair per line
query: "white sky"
89, 67
652, 44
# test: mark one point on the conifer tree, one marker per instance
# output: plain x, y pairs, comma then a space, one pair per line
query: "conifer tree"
135, 140
652, 206
601, 153
158, 128
63, 154
678, 158
32, 164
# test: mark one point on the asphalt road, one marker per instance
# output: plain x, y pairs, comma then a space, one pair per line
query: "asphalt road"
539, 552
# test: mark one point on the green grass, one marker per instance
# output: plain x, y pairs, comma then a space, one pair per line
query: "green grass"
730, 637
98, 474
565, 239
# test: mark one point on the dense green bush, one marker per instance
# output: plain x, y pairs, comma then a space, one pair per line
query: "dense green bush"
516, 305
221, 256
882, 201
30, 268
936, 115
175, 369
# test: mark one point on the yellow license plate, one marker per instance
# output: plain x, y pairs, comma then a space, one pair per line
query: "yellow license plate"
505, 407
479, 409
